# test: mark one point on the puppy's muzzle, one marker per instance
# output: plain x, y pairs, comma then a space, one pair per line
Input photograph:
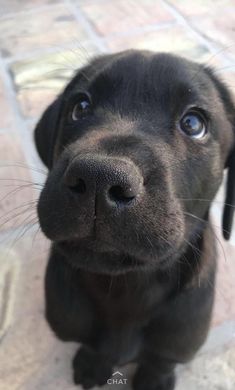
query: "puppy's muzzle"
110, 181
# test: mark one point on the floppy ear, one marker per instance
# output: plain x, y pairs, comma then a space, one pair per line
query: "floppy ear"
46, 130
230, 197
229, 107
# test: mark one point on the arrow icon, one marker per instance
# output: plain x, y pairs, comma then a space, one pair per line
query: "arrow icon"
117, 373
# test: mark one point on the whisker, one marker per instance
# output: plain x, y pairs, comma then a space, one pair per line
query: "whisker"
27, 227
12, 217
20, 235
217, 70
221, 246
216, 237
207, 63
34, 237
193, 247
16, 190
4, 164
30, 203
207, 200
21, 181
204, 221
110, 286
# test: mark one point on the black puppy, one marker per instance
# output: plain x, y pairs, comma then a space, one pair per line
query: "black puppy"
136, 146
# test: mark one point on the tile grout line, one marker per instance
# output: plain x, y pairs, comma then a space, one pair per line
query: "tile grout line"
19, 123
34, 10
102, 40
137, 31
211, 46
81, 18
34, 54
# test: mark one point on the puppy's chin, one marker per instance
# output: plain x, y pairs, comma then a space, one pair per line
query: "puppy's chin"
101, 257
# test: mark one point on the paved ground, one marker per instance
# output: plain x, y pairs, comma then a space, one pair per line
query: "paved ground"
41, 43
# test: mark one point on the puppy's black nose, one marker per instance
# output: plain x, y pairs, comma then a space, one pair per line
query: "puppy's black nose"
116, 181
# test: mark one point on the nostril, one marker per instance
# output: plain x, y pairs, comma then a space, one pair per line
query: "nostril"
79, 186
120, 194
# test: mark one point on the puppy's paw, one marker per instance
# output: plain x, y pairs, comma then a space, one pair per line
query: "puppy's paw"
90, 369
145, 380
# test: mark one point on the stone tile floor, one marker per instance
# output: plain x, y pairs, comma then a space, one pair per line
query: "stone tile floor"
42, 42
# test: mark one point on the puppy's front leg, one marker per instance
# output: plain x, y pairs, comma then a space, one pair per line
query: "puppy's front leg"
91, 368
71, 314
69, 310
154, 374
175, 335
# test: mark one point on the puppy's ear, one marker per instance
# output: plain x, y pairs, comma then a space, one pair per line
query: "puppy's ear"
229, 107
46, 130
230, 197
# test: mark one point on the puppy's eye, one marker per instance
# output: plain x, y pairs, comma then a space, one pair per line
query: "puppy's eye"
194, 125
81, 108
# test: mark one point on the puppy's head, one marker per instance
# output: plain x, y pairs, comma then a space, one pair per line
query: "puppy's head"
133, 145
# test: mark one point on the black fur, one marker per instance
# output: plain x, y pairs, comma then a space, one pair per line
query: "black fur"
126, 206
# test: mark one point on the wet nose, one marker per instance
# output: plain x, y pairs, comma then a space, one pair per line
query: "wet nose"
116, 181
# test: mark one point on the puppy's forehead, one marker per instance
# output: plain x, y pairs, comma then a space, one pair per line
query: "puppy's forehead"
148, 75
149, 67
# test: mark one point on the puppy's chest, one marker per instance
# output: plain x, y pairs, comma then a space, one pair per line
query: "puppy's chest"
119, 300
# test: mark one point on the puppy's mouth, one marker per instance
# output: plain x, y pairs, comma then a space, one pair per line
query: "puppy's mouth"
91, 244
100, 256
97, 256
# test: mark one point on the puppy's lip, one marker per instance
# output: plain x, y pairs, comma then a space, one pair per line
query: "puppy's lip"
117, 262
91, 244
73, 246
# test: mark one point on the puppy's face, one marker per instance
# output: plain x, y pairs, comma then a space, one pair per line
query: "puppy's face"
133, 143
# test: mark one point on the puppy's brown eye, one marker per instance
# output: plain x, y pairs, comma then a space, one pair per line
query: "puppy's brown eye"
81, 108
194, 125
